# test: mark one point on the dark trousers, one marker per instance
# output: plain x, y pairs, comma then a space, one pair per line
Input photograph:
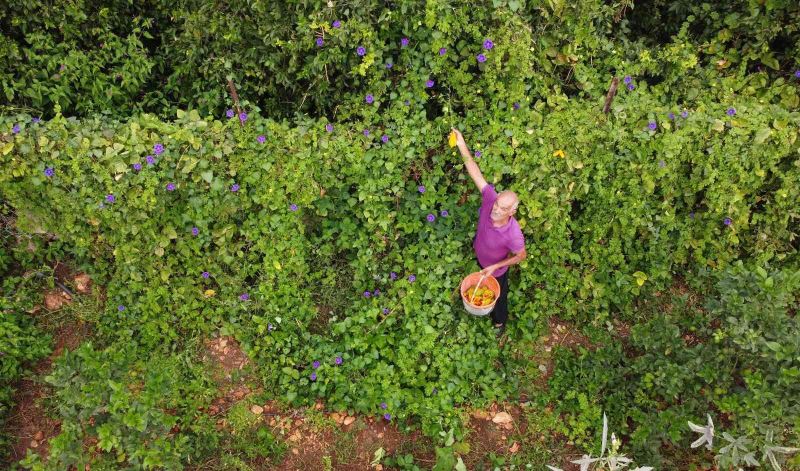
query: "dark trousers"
500, 311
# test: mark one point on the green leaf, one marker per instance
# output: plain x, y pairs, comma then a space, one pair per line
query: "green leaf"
762, 135
207, 176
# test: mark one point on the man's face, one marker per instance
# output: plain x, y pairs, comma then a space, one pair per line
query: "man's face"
502, 208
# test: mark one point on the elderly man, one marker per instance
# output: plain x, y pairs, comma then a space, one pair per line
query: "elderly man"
498, 242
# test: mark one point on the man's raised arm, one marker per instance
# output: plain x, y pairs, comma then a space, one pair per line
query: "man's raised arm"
472, 167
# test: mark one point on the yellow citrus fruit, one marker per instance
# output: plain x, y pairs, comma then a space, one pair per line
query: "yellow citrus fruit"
452, 139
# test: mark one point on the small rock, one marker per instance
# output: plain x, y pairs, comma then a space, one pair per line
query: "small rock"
502, 418
256, 409
547, 349
295, 437
336, 417
34, 444
514, 447
295, 451
238, 394
223, 343
39, 435
380, 435
349, 420
543, 368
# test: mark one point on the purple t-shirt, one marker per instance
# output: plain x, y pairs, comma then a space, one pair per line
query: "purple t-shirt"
493, 244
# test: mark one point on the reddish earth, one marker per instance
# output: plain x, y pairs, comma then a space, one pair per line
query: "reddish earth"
28, 423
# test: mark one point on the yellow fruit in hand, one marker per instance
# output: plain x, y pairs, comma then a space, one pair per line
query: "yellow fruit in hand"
452, 140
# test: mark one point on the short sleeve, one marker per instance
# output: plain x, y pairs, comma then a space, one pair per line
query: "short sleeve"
517, 240
488, 196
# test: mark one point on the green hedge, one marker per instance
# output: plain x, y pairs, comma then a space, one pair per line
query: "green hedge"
625, 210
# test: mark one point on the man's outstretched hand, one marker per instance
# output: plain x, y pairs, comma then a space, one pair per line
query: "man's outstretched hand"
459, 138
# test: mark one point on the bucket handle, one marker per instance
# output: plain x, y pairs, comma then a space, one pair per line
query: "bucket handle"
476, 287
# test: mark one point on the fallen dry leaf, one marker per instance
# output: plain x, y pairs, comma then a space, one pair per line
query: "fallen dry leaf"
83, 284
349, 420
256, 409
502, 418
514, 447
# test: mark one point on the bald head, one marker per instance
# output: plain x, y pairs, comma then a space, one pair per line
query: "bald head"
508, 199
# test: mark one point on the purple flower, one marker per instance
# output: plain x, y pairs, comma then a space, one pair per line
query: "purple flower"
367, 294
110, 198
315, 364
336, 23
671, 115
361, 51
392, 276
262, 139
369, 99
431, 218
442, 51
444, 213
320, 42
206, 274
691, 215
386, 310
731, 111
797, 73
235, 187
727, 221
377, 292
385, 138
478, 154
384, 406
389, 65
244, 296
387, 416
292, 207
137, 166
631, 87
481, 58
243, 116
15, 129
313, 376
516, 106
366, 132
35, 120
662, 164
404, 42
338, 360
421, 188
435, 391
229, 113
684, 114
170, 187
412, 278
150, 160
406, 102
652, 125
158, 149
627, 79
488, 44
429, 83
49, 171
329, 127
270, 327
195, 231
120, 308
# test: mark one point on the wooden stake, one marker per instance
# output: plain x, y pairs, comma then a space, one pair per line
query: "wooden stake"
235, 97
612, 92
